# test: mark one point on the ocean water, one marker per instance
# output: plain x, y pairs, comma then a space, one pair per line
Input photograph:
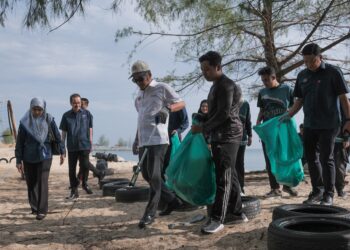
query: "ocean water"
254, 158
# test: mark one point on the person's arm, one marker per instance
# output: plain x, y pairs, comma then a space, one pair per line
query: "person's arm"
19, 149
135, 145
298, 104
248, 126
64, 136
260, 117
345, 105
176, 106
58, 138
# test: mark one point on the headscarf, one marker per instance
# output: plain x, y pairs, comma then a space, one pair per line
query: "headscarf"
200, 106
37, 127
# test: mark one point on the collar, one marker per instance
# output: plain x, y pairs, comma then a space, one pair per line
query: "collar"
152, 84
322, 67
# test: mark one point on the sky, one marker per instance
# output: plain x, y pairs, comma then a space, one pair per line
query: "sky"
82, 57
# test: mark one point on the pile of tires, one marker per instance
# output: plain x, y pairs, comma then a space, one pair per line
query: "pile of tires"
251, 206
309, 227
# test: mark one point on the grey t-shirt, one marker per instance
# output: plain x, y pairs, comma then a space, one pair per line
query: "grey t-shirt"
275, 101
319, 91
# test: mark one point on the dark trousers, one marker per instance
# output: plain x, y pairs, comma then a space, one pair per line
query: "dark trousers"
37, 179
83, 157
272, 179
240, 166
92, 168
166, 160
152, 172
227, 197
341, 156
319, 146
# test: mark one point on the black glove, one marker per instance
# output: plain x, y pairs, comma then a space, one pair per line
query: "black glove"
162, 115
135, 148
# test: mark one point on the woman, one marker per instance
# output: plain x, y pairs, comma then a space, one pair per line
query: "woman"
34, 155
203, 107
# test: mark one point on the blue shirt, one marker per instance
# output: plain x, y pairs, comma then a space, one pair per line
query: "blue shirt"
77, 126
320, 90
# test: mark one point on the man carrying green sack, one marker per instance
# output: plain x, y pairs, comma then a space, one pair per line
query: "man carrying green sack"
273, 100
225, 130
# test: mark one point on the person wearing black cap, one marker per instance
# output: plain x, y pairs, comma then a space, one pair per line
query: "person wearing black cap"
319, 88
153, 103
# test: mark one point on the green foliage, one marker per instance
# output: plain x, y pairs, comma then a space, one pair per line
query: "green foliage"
103, 141
122, 143
7, 137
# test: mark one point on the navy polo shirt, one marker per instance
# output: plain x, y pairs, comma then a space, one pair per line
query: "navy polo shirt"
320, 90
77, 125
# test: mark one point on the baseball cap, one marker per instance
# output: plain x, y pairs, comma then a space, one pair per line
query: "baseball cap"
138, 67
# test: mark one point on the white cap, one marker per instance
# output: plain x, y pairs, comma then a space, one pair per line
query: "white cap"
138, 67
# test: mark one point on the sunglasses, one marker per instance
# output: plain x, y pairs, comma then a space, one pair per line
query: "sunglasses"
139, 78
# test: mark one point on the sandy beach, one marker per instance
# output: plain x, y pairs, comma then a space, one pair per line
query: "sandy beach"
97, 222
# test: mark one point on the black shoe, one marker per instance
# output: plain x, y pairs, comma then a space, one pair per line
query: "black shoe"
289, 190
235, 219
87, 189
314, 198
73, 194
146, 220
40, 216
342, 194
327, 200
174, 204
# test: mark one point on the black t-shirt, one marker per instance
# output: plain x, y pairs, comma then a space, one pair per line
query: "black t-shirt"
320, 90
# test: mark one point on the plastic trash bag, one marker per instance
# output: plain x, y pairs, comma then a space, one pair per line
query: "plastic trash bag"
284, 149
191, 171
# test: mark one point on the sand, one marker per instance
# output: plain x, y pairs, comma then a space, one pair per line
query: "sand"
97, 222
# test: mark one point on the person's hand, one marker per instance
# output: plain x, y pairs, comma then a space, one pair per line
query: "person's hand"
162, 115
249, 141
346, 144
61, 159
196, 129
135, 148
20, 168
284, 118
173, 132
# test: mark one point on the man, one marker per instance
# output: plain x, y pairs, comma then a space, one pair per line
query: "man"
153, 104
244, 116
318, 89
76, 126
225, 130
99, 174
273, 100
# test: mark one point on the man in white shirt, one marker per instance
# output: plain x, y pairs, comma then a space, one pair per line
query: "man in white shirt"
153, 104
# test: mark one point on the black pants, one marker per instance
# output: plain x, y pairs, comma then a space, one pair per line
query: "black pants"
83, 157
152, 173
92, 168
240, 166
272, 179
319, 146
227, 197
37, 179
341, 156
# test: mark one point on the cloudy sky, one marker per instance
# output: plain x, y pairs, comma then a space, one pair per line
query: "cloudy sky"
82, 57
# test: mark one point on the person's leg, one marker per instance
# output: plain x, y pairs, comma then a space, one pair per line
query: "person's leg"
31, 180
166, 161
84, 160
239, 166
340, 161
272, 180
326, 144
43, 186
72, 168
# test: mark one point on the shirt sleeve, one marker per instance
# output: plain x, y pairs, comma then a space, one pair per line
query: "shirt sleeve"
170, 96
291, 97
91, 120
63, 124
339, 82
259, 103
297, 88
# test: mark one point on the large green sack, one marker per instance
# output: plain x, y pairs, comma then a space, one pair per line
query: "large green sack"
284, 149
175, 144
191, 171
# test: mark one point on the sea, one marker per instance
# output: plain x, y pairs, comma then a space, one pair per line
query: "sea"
254, 157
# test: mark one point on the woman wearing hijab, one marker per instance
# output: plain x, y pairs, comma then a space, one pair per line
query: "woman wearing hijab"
203, 107
34, 154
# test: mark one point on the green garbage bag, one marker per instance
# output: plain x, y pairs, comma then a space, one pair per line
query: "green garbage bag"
175, 144
191, 171
284, 149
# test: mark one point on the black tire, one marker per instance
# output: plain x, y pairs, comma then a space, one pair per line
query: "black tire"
132, 194
309, 233
4, 159
109, 188
309, 210
12, 158
108, 180
250, 206
101, 164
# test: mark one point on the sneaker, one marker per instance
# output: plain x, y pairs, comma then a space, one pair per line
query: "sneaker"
40, 216
73, 194
87, 189
242, 194
291, 191
314, 198
235, 219
273, 193
342, 194
213, 227
327, 200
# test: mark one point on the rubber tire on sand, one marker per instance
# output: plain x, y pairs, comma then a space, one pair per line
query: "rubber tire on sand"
132, 194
